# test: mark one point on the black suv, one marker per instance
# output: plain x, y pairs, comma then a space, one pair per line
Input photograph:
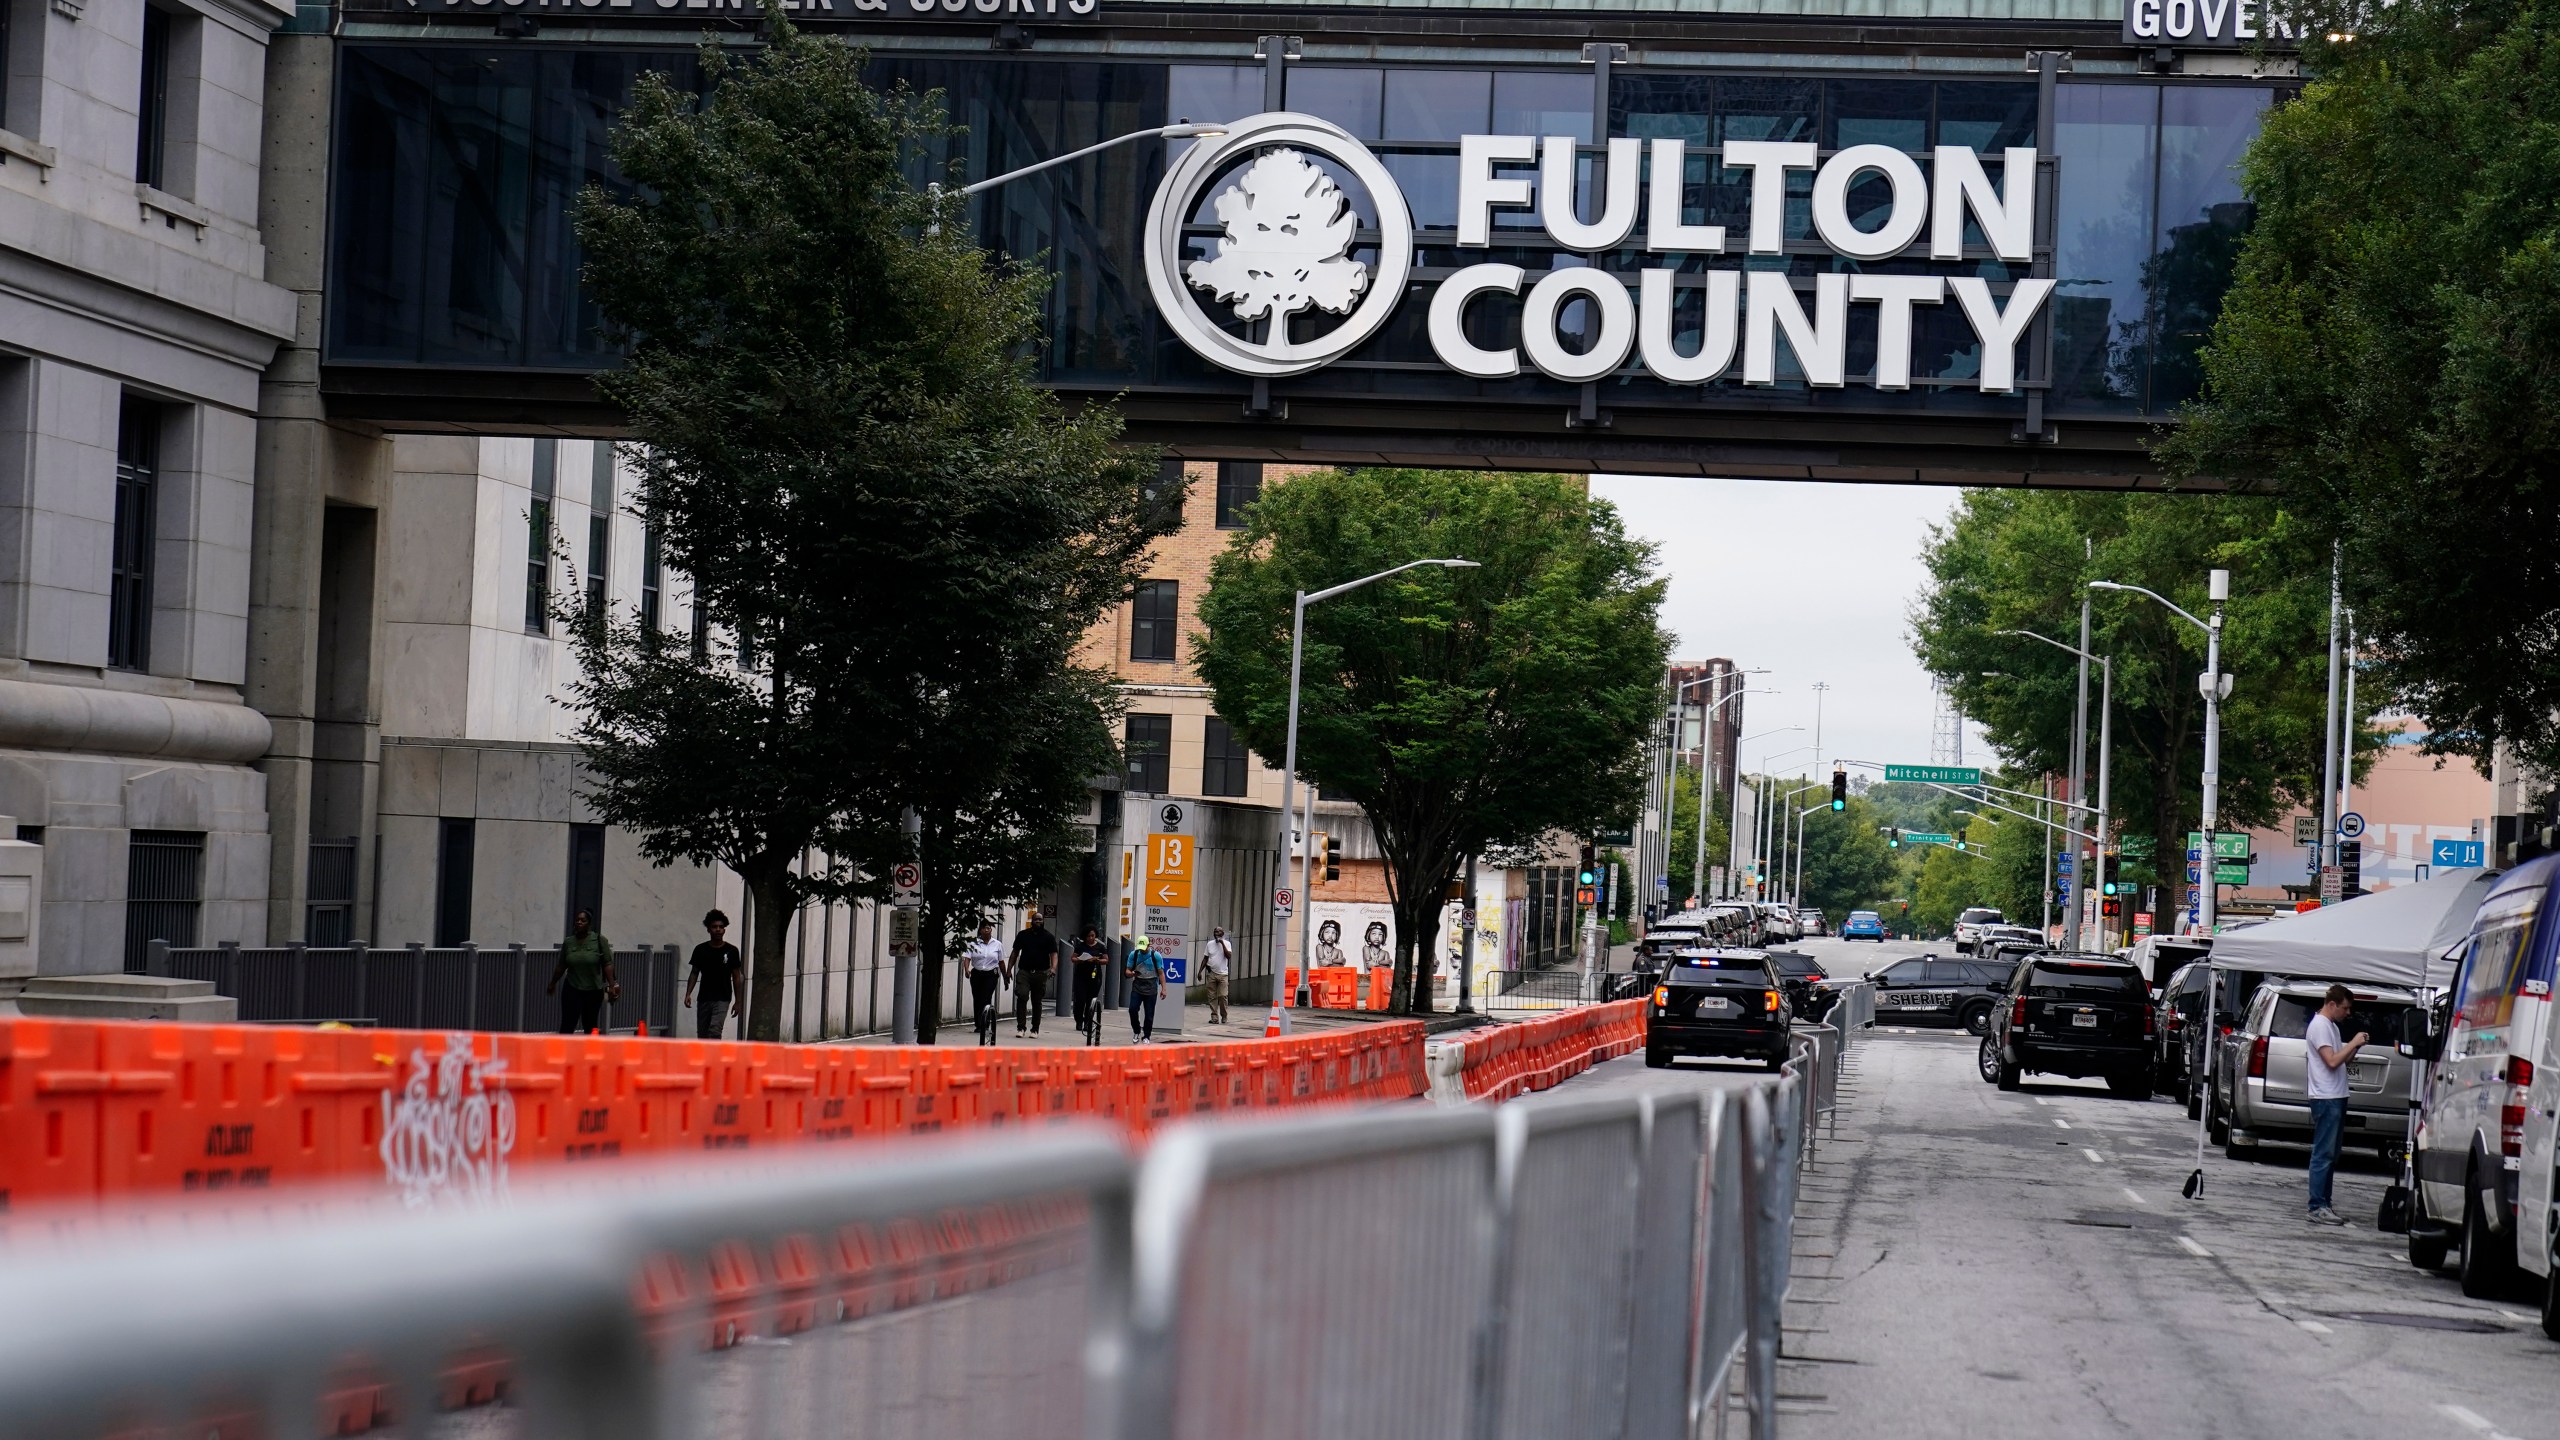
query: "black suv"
2075, 1015
1936, 990
2178, 1030
1718, 1003
1800, 978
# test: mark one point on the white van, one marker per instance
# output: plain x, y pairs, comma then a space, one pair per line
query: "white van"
2492, 1066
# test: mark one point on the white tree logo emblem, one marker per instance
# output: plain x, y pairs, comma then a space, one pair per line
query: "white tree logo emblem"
1288, 229
1289, 233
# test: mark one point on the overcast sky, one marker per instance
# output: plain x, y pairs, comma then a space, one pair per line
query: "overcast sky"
1810, 581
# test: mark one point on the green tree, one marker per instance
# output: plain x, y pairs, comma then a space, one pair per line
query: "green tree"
897, 537
1847, 864
2387, 354
2017, 560
1463, 710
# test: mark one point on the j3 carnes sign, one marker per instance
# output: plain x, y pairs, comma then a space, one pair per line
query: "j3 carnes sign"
1289, 230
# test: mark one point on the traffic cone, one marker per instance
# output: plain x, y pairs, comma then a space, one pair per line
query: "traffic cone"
644, 1029
1271, 1026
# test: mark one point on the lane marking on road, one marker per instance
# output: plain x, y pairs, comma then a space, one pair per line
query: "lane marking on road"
2474, 1421
2094, 1157
2040, 1100
2314, 1326
2136, 1199
2527, 1319
2188, 1244
2058, 1120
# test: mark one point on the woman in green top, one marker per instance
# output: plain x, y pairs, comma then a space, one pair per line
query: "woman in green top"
586, 959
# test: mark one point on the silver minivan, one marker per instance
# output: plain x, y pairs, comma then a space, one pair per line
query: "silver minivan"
2262, 1088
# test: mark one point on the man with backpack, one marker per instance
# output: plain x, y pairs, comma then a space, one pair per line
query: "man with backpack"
1144, 971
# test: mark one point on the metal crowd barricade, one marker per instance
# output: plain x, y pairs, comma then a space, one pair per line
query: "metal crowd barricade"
1583, 1267
465, 987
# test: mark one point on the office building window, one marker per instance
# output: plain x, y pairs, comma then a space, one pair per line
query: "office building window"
652, 581
586, 876
1239, 485
454, 846
1154, 617
537, 554
151, 145
1222, 760
701, 630
1148, 739
163, 891
136, 536
1161, 500
600, 533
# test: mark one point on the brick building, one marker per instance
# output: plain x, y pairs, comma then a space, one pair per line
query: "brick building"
1722, 737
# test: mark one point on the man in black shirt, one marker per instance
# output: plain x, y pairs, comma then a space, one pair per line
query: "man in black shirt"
1091, 955
716, 968
1035, 954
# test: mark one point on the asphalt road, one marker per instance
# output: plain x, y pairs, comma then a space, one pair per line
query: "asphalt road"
1971, 1263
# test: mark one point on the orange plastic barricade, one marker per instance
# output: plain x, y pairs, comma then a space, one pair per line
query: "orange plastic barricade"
51, 1086
217, 1107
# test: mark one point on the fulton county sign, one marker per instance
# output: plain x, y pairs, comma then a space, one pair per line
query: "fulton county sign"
1289, 228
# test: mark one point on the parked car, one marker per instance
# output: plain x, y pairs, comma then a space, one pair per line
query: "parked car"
2262, 1086
1780, 921
2077, 1015
1665, 938
1812, 922
2487, 1044
1718, 1003
1801, 977
2006, 945
2161, 956
1736, 923
2179, 1030
1931, 990
1863, 925
1969, 926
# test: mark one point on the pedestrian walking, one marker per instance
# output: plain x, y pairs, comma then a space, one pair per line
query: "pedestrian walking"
986, 968
1035, 957
2328, 1058
1215, 963
716, 968
1090, 959
1145, 973
586, 962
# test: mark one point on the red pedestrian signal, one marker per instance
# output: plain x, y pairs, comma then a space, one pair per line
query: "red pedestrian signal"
1586, 895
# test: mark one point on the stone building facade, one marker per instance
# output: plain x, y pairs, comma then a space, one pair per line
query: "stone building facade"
135, 319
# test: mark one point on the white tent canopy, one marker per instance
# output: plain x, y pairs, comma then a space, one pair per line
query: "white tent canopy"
2390, 937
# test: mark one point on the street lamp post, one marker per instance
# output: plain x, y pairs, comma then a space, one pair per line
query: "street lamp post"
1182, 130
1735, 810
2106, 736
1760, 815
2215, 687
1706, 775
1289, 779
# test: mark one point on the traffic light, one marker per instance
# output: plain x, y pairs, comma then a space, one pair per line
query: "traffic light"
1839, 789
1332, 853
1893, 837
1590, 872
2110, 908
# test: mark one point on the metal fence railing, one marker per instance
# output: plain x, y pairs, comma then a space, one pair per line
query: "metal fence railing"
418, 987
1561, 988
1595, 1268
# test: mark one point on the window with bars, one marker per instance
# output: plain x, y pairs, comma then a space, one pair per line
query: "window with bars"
1239, 485
1148, 742
329, 911
163, 891
1154, 617
136, 535
537, 553
1222, 759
